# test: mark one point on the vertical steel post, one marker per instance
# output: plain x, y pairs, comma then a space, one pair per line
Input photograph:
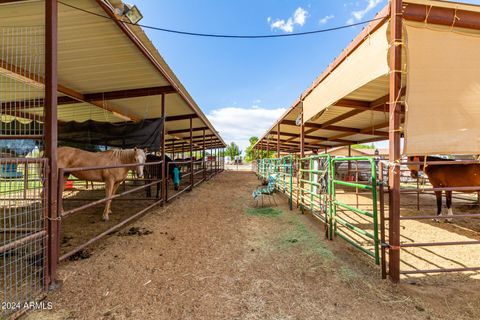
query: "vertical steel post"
278, 140
191, 153
50, 136
204, 166
349, 169
302, 139
268, 146
394, 138
164, 168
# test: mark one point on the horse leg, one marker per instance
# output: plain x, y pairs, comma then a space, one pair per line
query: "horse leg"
448, 195
438, 194
109, 185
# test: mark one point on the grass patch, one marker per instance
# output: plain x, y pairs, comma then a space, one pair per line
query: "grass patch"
299, 235
264, 212
347, 273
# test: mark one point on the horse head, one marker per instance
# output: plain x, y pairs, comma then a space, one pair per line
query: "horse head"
140, 157
415, 168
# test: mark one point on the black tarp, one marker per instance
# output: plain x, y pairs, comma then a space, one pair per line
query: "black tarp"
142, 134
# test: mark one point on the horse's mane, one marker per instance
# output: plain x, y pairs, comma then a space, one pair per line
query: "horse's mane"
125, 155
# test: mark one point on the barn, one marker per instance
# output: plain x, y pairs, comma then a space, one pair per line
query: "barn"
408, 78
81, 74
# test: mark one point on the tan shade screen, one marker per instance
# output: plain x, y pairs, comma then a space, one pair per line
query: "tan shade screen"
443, 92
368, 62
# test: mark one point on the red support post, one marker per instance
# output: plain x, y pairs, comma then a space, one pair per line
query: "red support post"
278, 139
204, 166
302, 139
50, 137
191, 154
164, 176
394, 138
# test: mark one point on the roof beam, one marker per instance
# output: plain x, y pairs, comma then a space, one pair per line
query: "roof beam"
129, 93
181, 117
38, 81
443, 16
187, 130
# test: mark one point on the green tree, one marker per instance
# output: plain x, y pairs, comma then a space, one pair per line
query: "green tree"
363, 146
232, 150
251, 154
249, 151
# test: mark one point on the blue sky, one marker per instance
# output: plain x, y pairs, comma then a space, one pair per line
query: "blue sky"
244, 85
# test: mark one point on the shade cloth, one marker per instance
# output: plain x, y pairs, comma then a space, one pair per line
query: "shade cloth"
367, 63
443, 91
143, 134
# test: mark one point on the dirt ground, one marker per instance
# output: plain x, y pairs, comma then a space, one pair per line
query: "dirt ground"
210, 255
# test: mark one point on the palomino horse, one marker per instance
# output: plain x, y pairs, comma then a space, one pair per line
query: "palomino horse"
446, 175
75, 158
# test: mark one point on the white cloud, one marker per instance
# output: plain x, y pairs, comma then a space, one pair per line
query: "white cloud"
359, 14
239, 124
325, 19
299, 18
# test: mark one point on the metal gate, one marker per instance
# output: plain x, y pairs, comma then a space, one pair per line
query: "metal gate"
314, 179
356, 223
326, 188
22, 170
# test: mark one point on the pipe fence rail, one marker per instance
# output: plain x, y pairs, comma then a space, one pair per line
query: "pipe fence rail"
420, 186
349, 195
323, 185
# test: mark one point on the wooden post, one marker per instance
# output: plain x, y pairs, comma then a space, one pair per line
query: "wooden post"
164, 168
191, 154
51, 84
394, 138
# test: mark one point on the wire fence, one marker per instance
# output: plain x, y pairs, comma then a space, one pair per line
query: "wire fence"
22, 172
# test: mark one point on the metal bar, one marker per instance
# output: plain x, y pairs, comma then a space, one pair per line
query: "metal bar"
354, 228
458, 189
24, 160
381, 191
351, 184
353, 243
51, 133
23, 136
178, 193
129, 165
440, 270
395, 106
191, 154
359, 211
473, 215
375, 211
165, 170
203, 157
21, 241
434, 244
69, 212
109, 231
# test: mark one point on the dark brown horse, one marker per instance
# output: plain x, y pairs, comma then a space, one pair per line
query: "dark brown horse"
450, 175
